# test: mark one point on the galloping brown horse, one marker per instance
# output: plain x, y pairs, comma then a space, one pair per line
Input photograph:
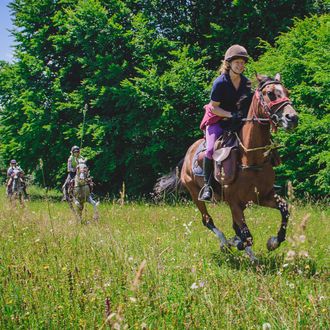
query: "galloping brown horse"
270, 108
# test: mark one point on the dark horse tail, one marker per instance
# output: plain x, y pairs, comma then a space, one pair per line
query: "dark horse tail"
169, 183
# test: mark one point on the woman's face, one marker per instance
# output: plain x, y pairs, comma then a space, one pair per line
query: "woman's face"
238, 65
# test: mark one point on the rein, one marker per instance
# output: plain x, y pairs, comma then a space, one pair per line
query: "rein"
268, 147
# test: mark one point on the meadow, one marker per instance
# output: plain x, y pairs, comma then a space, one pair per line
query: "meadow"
147, 266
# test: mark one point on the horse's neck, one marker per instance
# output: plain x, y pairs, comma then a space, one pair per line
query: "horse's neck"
76, 181
254, 135
79, 183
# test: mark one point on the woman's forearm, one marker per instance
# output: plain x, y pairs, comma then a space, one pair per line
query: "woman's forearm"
220, 112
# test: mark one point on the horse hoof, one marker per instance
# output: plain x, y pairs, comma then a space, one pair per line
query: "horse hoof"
272, 243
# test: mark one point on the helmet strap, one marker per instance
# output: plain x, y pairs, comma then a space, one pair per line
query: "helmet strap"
233, 70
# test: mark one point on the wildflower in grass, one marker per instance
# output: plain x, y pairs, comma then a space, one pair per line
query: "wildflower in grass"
194, 286
266, 326
290, 255
188, 231
303, 254
201, 284
302, 238
290, 285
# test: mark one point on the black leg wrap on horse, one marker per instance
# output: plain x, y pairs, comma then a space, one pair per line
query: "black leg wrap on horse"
246, 237
237, 230
208, 222
282, 233
283, 207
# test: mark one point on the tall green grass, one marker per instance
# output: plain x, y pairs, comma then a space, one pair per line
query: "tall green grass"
57, 274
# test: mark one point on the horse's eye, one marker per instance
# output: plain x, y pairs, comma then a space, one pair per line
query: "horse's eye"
271, 95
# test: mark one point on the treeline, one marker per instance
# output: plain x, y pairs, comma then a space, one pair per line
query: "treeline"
128, 79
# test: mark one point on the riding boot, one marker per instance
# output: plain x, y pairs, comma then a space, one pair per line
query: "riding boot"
207, 189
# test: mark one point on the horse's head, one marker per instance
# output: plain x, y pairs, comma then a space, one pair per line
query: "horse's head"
275, 102
16, 173
82, 172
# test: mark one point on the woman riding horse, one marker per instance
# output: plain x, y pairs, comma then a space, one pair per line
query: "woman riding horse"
227, 89
254, 182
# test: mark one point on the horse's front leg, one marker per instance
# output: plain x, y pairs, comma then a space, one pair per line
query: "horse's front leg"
277, 202
95, 205
78, 208
245, 240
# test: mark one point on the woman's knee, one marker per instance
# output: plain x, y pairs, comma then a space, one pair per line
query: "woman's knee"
209, 153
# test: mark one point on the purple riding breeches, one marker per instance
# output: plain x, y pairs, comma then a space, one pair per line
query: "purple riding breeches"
212, 133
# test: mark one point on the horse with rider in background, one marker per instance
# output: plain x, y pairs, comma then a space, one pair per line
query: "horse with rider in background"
16, 186
77, 189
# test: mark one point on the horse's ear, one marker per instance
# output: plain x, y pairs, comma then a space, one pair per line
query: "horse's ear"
259, 77
278, 77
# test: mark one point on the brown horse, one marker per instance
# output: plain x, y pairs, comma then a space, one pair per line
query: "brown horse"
270, 108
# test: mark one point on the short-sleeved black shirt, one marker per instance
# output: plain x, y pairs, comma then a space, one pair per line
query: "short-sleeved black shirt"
223, 91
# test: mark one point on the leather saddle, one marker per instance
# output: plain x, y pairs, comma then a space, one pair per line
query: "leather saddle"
225, 159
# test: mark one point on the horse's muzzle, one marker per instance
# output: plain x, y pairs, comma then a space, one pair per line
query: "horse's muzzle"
289, 121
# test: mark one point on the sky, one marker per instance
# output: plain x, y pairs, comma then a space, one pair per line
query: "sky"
6, 40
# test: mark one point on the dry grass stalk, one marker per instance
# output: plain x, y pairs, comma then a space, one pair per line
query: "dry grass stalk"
138, 275
122, 194
304, 221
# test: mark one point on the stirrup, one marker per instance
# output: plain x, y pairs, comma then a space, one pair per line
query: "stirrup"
201, 193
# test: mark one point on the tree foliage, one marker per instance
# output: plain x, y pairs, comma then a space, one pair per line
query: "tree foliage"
302, 56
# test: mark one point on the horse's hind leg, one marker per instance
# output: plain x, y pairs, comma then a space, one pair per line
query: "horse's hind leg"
206, 218
277, 202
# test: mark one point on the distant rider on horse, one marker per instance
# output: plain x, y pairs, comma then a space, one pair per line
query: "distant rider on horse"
222, 110
74, 159
10, 172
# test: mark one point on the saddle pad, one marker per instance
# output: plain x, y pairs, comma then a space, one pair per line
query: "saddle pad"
196, 169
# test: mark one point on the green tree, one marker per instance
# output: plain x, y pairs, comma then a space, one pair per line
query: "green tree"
302, 56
